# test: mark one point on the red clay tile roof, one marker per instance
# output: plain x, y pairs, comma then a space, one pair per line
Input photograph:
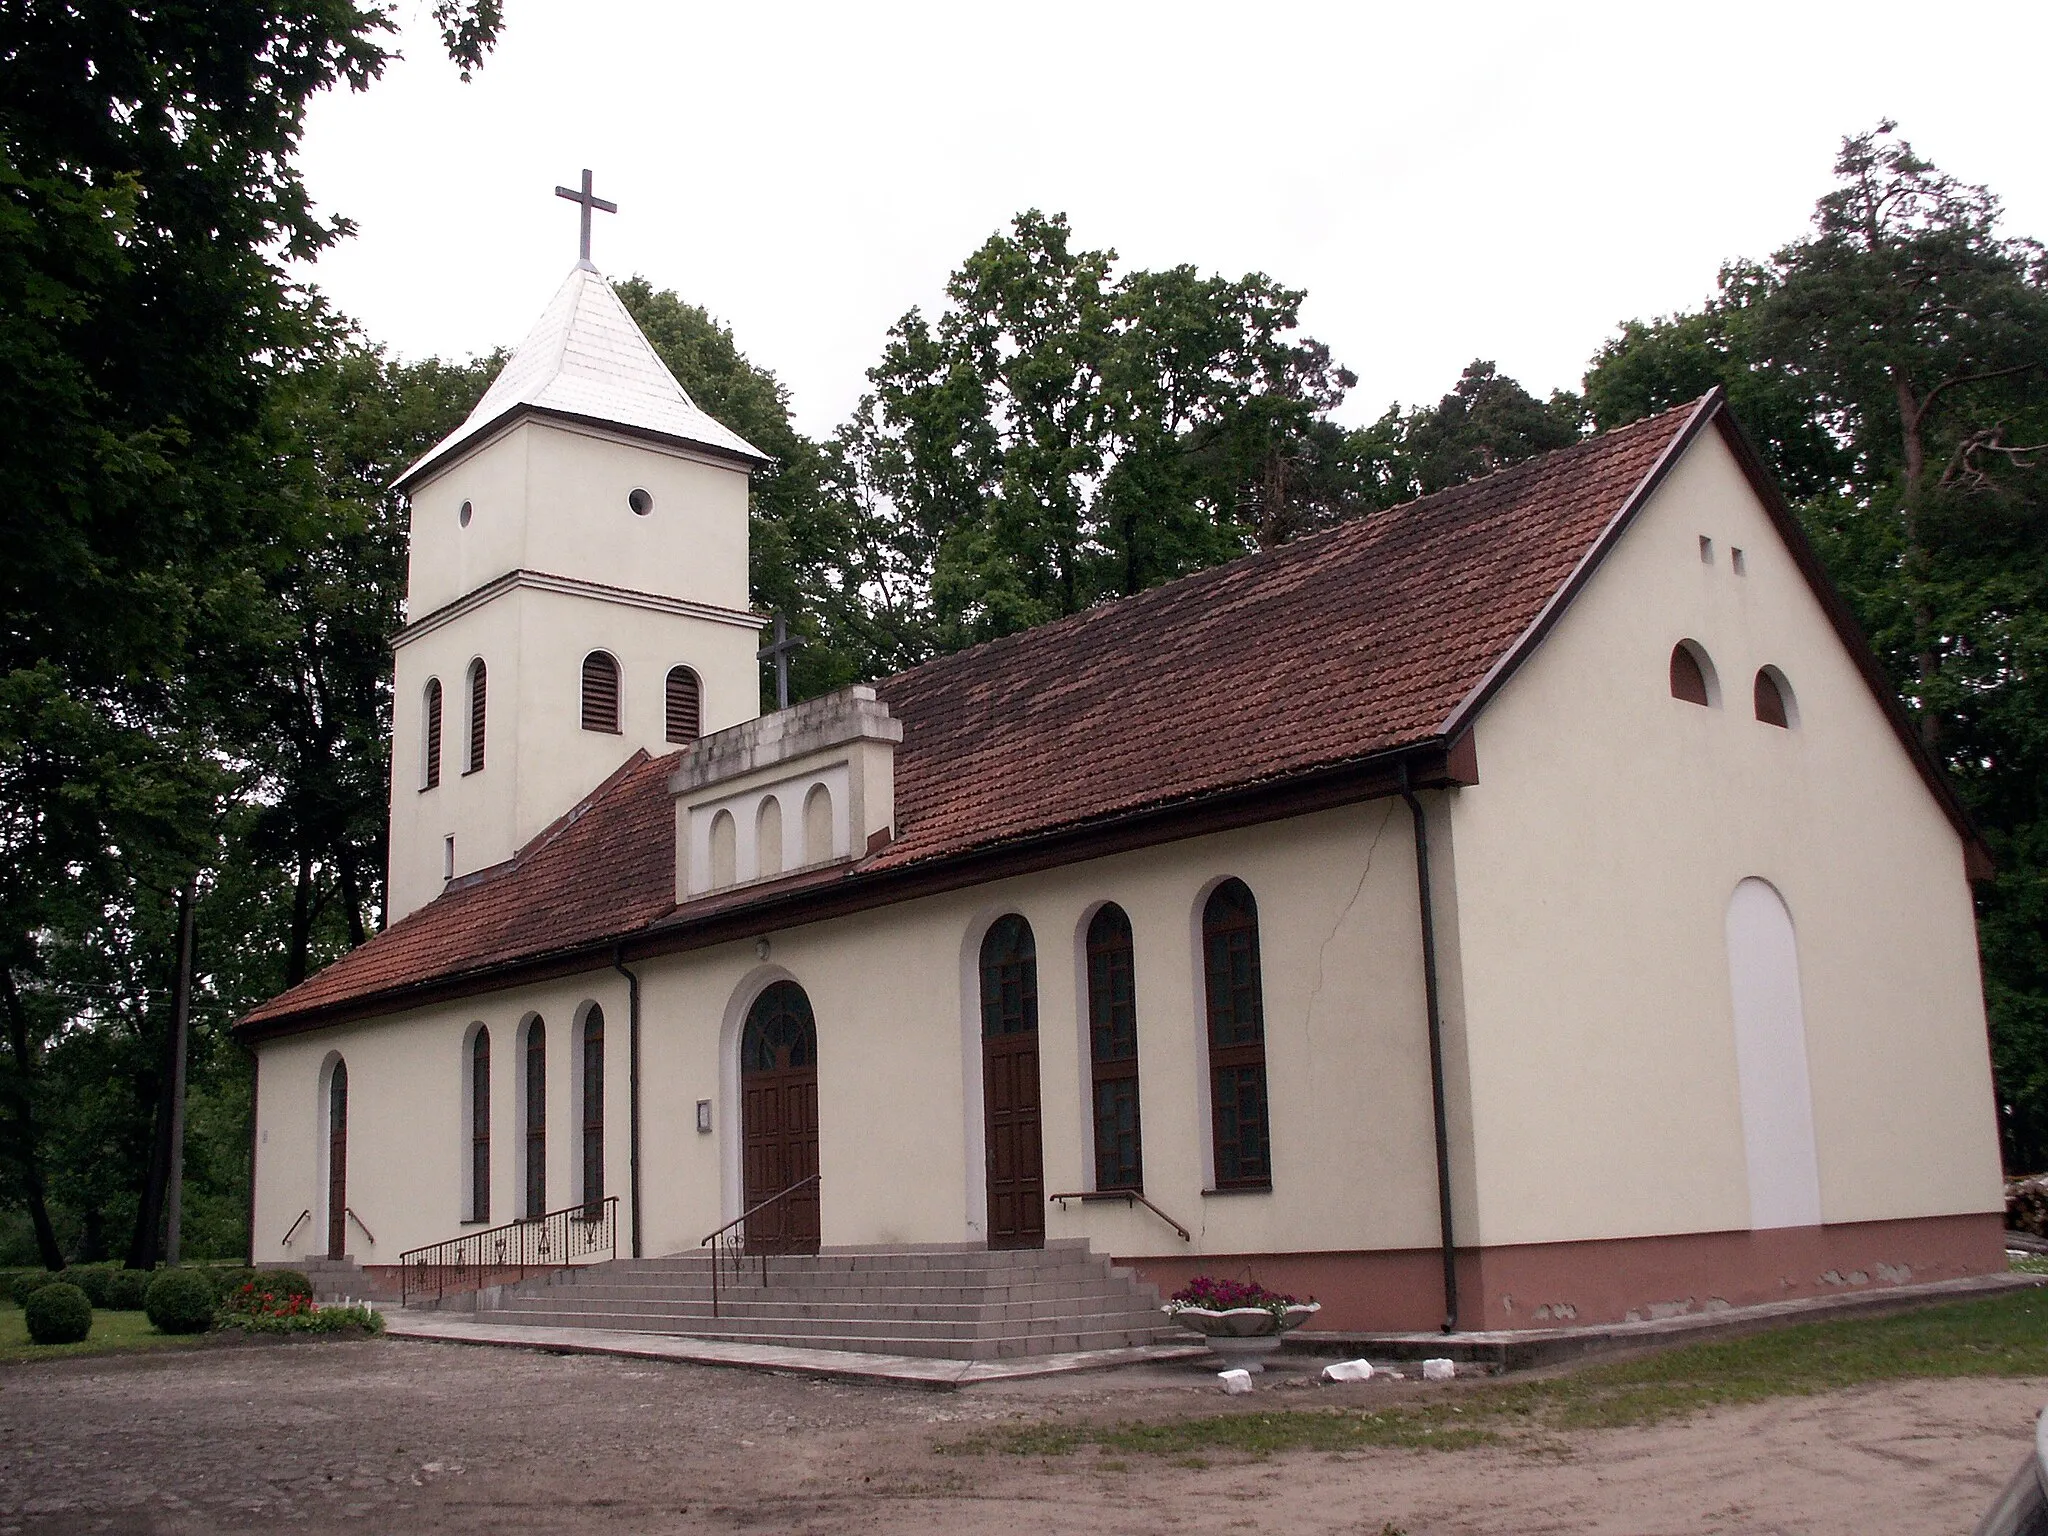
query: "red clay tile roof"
605, 868
1339, 646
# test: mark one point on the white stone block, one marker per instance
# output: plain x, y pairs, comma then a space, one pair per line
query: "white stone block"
1235, 1382
1348, 1370
1438, 1370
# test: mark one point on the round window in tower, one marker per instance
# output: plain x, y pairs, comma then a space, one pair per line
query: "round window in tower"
465, 514
641, 501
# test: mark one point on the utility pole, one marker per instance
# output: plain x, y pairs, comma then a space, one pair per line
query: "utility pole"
181, 1018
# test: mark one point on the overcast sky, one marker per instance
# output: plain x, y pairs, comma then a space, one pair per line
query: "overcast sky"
1505, 181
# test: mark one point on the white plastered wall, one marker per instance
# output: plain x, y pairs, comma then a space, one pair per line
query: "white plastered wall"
550, 497
893, 991
1596, 861
408, 1145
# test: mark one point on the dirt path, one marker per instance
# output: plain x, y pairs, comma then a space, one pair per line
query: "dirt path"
398, 1435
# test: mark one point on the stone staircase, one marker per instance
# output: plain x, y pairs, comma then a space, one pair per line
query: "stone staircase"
343, 1280
956, 1302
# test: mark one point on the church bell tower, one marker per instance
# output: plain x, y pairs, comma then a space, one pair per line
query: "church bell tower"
577, 588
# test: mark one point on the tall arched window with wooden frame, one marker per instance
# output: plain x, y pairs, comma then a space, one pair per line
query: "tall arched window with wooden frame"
480, 1125
430, 735
593, 1111
685, 698
601, 693
1237, 1038
1113, 1051
536, 1100
477, 680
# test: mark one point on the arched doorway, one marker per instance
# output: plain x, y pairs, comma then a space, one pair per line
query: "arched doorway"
1009, 1085
779, 1119
337, 1162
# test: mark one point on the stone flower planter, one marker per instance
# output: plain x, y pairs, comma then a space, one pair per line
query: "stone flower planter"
1243, 1336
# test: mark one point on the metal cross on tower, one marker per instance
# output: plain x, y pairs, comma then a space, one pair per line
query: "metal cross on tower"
778, 653
588, 200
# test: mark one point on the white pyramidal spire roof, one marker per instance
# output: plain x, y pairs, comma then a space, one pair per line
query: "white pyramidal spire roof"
585, 359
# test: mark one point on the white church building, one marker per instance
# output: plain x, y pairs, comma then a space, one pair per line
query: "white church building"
1529, 903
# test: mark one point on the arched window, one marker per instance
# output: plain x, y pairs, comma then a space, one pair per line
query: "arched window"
536, 1119
593, 1110
476, 716
1692, 674
480, 1126
430, 773
600, 693
1113, 1051
1773, 698
684, 697
337, 1161
1009, 979
1237, 1038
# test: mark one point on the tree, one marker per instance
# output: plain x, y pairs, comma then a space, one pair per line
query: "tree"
1060, 434
148, 206
1486, 423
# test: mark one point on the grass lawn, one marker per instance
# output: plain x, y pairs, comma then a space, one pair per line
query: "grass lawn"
111, 1332
2002, 1336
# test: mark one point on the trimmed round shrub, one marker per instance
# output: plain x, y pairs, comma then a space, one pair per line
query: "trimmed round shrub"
96, 1280
27, 1285
283, 1282
179, 1301
227, 1281
58, 1314
128, 1290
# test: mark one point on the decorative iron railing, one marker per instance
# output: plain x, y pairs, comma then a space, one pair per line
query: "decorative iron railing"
498, 1255
1128, 1196
729, 1242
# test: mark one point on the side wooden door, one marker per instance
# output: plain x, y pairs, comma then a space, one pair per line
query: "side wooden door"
1016, 1166
779, 1120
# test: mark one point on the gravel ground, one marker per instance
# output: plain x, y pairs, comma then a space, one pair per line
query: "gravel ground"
399, 1435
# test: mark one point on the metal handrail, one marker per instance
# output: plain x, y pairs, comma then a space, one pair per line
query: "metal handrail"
305, 1215
554, 1240
350, 1212
1085, 1196
732, 1238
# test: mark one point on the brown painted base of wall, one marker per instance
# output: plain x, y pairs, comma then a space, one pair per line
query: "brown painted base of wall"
1551, 1285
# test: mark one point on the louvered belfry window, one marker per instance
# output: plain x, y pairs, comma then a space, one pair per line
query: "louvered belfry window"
600, 693
684, 715
432, 775
476, 716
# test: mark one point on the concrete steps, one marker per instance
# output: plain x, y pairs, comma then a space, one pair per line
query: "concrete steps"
342, 1280
954, 1302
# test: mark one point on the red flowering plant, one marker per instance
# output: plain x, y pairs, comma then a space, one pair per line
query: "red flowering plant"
1213, 1295
257, 1308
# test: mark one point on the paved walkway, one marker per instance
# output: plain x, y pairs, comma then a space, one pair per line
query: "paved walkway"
845, 1365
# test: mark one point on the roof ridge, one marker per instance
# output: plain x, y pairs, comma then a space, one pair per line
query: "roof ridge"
1296, 548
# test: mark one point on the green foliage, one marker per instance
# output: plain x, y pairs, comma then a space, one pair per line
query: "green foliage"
291, 1317
246, 1289
2005, 1336
1060, 434
1487, 423
128, 1290
57, 1314
27, 1284
180, 1301
96, 1280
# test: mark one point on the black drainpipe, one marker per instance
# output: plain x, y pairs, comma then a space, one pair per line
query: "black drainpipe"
1436, 1054
633, 1083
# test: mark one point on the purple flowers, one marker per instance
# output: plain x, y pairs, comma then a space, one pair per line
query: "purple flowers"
1214, 1295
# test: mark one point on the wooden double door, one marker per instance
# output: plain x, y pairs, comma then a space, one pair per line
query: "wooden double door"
779, 1121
